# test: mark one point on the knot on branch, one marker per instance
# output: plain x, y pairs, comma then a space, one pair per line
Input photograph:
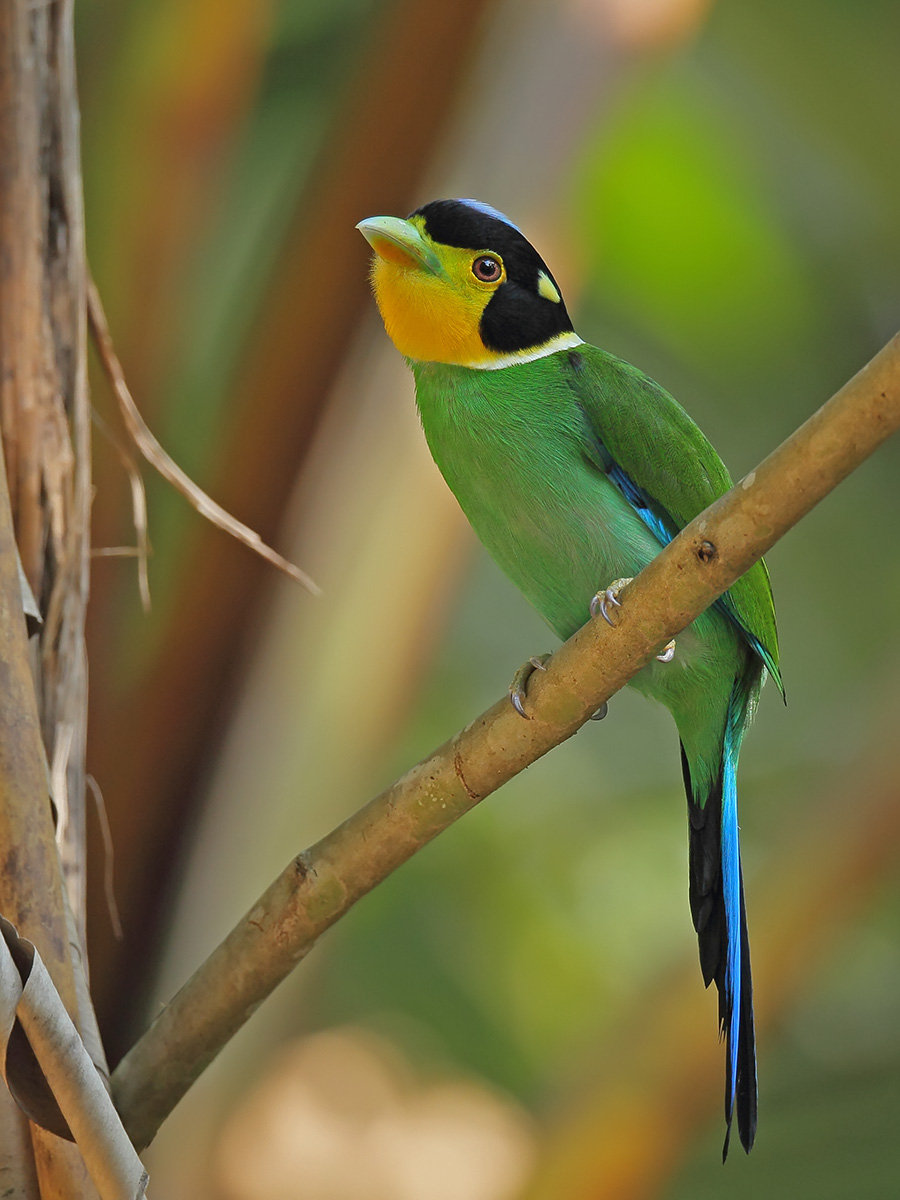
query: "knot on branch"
458, 768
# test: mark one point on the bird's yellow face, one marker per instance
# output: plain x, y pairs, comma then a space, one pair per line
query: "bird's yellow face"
457, 283
431, 297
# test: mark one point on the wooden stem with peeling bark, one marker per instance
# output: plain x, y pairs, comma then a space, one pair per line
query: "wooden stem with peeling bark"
320, 885
44, 518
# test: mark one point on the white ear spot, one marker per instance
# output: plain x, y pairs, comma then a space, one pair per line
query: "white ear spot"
546, 288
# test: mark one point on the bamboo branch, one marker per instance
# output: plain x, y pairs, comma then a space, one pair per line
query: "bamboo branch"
321, 884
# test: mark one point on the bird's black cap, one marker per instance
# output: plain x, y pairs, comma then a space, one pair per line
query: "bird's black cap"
519, 315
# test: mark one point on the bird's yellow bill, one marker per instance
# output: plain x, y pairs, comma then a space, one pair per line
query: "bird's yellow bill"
400, 242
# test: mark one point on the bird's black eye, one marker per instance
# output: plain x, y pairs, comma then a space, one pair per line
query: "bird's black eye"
487, 268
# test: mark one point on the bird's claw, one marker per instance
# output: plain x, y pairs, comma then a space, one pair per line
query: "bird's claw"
609, 596
668, 652
519, 684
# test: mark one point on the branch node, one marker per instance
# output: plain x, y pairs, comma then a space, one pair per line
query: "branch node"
457, 767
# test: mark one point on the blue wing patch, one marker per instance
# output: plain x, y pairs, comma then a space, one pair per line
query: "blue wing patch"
640, 502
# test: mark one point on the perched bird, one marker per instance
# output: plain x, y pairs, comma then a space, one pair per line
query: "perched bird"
575, 469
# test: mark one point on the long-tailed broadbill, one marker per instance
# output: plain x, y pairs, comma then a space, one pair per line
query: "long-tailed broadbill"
574, 469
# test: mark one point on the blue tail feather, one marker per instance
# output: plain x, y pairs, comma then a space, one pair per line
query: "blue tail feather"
731, 895
717, 906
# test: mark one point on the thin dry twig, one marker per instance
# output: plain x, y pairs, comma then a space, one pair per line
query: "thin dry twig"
320, 885
157, 457
141, 551
109, 858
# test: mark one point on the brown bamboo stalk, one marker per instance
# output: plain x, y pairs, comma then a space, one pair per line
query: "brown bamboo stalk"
43, 415
321, 884
17, 1171
43, 388
31, 886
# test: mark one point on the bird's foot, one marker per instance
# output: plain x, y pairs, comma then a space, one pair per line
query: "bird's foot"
668, 652
602, 601
519, 685
601, 605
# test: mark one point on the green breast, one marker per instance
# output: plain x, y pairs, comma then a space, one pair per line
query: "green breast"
513, 447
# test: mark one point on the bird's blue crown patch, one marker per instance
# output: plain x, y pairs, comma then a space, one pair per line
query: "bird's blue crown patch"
489, 211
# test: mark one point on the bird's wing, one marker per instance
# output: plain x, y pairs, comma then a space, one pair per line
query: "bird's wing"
646, 443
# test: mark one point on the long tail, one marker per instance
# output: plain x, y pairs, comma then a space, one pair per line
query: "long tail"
717, 907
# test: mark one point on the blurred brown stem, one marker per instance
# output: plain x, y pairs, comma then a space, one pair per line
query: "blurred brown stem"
320, 885
148, 750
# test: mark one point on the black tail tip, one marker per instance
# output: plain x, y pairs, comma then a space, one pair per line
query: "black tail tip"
747, 1134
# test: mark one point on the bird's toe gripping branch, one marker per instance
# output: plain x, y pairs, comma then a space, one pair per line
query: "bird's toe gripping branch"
518, 687
668, 652
600, 606
601, 602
